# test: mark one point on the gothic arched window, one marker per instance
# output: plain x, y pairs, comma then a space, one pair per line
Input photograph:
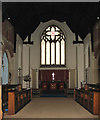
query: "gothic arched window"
53, 47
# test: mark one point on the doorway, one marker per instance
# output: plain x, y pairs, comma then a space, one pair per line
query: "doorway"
4, 69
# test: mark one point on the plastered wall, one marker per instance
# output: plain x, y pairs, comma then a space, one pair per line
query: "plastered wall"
8, 37
18, 58
92, 69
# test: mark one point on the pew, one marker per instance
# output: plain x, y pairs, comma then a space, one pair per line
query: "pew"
89, 96
18, 99
14, 98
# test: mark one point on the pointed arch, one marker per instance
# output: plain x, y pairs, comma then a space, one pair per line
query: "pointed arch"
4, 69
52, 47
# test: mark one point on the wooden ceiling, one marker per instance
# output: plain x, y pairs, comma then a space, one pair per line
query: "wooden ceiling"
26, 16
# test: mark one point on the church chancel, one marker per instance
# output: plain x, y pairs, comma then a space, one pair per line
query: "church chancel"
48, 51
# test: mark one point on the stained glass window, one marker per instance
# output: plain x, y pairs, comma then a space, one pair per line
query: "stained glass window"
52, 53
52, 47
57, 52
48, 52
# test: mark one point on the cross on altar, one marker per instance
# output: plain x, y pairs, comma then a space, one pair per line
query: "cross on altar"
53, 76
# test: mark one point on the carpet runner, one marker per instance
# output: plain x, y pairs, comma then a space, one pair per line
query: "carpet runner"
52, 94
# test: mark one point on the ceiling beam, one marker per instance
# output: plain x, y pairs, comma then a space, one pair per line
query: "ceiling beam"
29, 40
30, 43
76, 40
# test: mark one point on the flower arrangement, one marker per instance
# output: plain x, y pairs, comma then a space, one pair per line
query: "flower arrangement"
27, 78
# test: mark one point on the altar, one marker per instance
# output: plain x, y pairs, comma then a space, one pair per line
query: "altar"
53, 81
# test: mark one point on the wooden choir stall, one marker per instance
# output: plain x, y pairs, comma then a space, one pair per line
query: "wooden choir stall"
15, 98
89, 96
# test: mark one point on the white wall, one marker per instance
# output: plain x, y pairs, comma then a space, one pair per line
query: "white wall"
92, 74
25, 63
80, 64
35, 48
19, 42
70, 48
